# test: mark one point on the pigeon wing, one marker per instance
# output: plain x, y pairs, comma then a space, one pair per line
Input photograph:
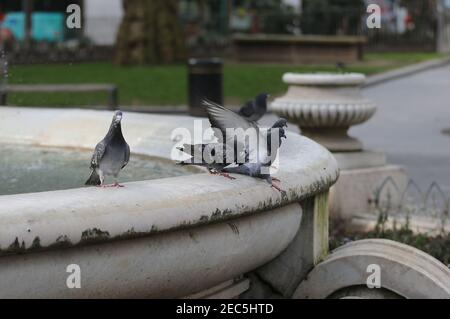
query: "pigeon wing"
223, 119
99, 152
127, 155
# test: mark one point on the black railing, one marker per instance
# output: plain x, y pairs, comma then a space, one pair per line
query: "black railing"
403, 203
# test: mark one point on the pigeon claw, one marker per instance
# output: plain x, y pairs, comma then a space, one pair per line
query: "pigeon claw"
118, 185
226, 175
112, 185
278, 189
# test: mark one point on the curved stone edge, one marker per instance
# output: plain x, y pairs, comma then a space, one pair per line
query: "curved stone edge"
324, 113
405, 271
167, 265
49, 220
328, 79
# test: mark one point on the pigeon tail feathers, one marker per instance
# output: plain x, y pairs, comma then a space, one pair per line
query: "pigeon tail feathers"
94, 179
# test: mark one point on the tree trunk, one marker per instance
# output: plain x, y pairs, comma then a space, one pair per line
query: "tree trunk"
150, 33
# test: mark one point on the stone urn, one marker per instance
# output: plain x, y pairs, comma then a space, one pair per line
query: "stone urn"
325, 106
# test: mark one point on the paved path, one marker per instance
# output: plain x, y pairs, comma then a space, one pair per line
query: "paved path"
412, 112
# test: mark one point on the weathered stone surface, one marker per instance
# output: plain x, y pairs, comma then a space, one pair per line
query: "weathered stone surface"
357, 160
281, 276
165, 265
405, 272
362, 185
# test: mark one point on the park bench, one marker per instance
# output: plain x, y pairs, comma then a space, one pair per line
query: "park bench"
72, 88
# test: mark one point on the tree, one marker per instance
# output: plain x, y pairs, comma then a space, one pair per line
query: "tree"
150, 33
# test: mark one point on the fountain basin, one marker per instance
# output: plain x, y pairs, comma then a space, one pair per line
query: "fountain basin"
168, 237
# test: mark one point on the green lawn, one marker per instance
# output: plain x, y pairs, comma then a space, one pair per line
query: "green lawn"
167, 85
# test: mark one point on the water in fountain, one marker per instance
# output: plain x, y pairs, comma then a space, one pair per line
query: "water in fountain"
25, 169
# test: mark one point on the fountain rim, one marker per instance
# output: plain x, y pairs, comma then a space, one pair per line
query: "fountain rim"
42, 221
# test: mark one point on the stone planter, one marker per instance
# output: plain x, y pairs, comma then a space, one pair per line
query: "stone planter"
325, 106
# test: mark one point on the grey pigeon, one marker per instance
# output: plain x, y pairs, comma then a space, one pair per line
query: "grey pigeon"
255, 109
278, 126
254, 169
261, 157
214, 156
110, 156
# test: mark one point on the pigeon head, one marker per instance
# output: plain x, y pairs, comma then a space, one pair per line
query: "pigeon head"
261, 99
281, 123
117, 118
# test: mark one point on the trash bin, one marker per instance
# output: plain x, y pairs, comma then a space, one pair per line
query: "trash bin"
205, 80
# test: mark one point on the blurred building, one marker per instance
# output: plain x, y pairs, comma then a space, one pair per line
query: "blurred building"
102, 20
211, 23
43, 19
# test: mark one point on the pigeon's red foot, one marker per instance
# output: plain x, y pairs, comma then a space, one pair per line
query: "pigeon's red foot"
276, 179
118, 185
112, 185
226, 175
278, 188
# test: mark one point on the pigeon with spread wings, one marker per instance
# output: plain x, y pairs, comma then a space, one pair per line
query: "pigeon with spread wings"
261, 156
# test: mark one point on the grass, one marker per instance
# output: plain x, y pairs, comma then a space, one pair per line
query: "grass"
167, 85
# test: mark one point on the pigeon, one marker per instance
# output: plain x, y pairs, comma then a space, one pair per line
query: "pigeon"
279, 126
341, 66
110, 156
214, 156
256, 169
255, 109
259, 157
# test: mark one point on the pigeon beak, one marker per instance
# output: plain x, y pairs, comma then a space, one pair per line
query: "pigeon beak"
117, 119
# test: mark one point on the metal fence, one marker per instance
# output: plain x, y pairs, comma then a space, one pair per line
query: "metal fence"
405, 203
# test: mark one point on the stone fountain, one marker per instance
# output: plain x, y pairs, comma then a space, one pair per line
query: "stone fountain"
193, 236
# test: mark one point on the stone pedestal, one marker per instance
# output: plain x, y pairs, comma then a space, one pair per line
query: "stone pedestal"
325, 106
355, 190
